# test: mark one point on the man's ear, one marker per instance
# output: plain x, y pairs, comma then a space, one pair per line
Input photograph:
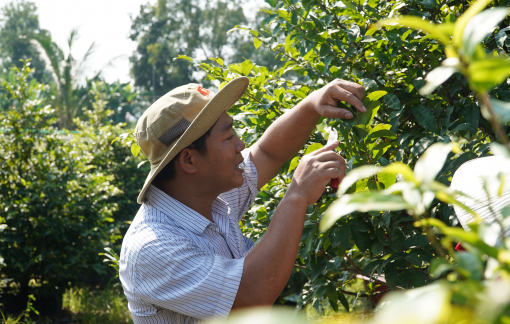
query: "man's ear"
187, 160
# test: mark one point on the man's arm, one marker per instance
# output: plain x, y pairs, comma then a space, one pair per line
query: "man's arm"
287, 135
268, 267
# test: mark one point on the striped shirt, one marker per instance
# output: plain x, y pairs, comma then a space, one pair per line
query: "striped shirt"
178, 267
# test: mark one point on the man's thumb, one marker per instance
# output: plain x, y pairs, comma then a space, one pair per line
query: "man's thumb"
328, 147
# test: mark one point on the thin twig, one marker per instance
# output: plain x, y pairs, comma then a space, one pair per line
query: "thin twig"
493, 120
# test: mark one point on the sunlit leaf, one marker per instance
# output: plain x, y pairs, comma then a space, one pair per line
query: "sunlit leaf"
436, 77
431, 162
463, 20
486, 74
135, 149
183, 57
357, 174
256, 42
376, 95
293, 163
479, 26
312, 148
363, 201
400, 168
417, 23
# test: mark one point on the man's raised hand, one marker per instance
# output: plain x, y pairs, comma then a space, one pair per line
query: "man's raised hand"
315, 171
325, 100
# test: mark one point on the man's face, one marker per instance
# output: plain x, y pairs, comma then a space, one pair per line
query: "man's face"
219, 167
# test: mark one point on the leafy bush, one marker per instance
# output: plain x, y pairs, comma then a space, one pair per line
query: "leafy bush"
64, 195
320, 41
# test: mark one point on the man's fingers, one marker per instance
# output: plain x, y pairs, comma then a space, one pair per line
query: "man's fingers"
334, 173
335, 112
341, 94
334, 165
352, 87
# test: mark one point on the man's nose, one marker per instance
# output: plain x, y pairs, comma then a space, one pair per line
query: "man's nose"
239, 145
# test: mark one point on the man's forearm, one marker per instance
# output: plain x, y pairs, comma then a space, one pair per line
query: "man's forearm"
269, 266
287, 135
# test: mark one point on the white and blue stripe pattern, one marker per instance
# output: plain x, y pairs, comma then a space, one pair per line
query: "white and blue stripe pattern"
178, 267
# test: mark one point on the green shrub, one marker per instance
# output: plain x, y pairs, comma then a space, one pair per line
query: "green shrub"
64, 196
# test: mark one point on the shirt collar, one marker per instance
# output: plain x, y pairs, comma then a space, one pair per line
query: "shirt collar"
184, 216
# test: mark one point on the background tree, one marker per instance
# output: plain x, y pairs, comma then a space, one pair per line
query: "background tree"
194, 28
65, 72
20, 20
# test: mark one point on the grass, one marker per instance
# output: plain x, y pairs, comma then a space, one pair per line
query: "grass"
84, 305
98, 306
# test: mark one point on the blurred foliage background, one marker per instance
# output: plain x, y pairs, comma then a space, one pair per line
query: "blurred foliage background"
66, 192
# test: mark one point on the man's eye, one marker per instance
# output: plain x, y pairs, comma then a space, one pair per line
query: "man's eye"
231, 137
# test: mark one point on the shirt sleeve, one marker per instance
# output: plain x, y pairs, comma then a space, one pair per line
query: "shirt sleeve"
240, 199
177, 275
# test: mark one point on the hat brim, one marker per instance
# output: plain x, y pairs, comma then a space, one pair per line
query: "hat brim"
222, 101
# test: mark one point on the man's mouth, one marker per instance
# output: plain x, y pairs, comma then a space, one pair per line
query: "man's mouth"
238, 166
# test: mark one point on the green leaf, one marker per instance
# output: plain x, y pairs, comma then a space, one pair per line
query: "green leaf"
381, 130
256, 42
372, 109
463, 20
360, 131
431, 162
400, 168
487, 73
436, 77
424, 117
344, 301
435, 31
388, 179
312, 148
135, 149
363, 201
246, 67
415, 241
479, 26
293, 163
121, 137
331, 292
379, 150
376, 95
470, 263
391, 274
420, 146
392, 101
356, 174
183, 57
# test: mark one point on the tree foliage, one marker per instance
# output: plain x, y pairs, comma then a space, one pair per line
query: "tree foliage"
171, 28
320, 41
19, 20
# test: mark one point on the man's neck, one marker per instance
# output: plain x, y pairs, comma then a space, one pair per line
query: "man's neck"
192, 198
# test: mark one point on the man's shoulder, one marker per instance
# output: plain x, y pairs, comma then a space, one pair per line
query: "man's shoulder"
151, 225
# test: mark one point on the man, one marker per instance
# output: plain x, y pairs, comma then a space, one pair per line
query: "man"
184, 258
